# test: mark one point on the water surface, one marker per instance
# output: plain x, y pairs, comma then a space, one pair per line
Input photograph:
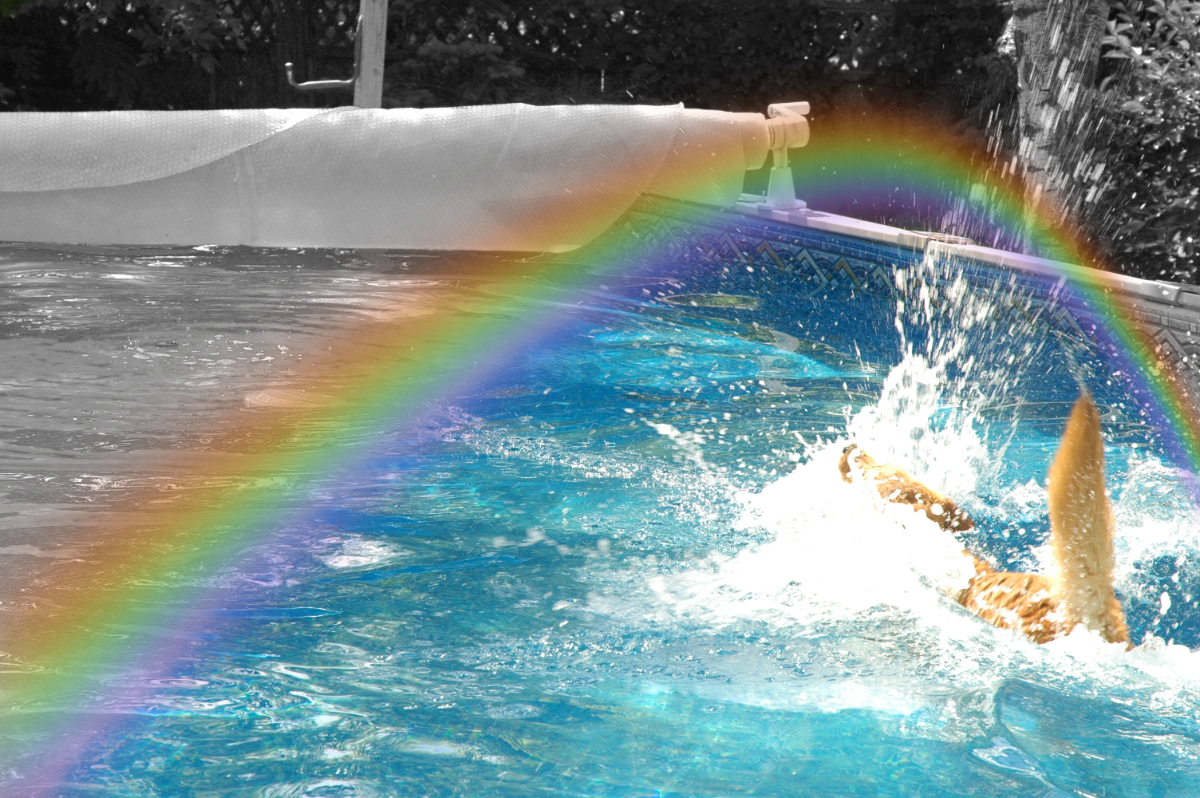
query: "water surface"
617, 562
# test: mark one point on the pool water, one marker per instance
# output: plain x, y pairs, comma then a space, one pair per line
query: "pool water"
620, 562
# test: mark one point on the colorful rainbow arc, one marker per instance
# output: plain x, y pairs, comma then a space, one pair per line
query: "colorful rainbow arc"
56, 637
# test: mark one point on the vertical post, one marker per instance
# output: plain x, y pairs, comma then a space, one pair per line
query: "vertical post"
368, 88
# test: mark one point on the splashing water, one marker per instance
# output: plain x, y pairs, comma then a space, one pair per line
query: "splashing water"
860, 586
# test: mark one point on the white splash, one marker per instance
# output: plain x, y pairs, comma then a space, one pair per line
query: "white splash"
913, 426
866, 584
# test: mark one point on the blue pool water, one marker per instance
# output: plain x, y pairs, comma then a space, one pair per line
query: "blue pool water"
621, 563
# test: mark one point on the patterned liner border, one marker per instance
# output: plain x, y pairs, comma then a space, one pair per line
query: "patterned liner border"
829, 252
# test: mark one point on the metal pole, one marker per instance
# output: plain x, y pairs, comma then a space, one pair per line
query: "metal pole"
368, 88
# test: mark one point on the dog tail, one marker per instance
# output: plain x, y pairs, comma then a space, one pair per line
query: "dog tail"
1081, 528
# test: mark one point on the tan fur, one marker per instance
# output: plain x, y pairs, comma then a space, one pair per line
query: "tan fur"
1021, 602
1080, 590
1081, 527
896, 485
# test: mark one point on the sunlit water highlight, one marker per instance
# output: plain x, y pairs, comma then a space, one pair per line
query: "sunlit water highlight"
626, 564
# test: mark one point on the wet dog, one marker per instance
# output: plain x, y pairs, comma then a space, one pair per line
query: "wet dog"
1079, 589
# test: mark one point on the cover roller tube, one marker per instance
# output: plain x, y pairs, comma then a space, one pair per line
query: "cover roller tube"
510, 177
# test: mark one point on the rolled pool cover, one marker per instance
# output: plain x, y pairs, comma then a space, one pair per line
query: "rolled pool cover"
503, 177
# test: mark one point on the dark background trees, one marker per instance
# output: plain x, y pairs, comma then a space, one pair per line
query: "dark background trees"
971, 66
229, 53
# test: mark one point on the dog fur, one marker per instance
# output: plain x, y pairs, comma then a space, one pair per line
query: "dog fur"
1079, 589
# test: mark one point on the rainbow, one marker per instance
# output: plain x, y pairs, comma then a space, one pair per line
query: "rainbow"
56, 636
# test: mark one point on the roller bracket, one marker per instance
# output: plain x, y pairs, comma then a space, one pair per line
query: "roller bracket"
787, 127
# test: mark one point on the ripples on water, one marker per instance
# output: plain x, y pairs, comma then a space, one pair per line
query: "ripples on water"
623, 564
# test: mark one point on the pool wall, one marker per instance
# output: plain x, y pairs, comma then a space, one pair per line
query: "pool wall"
847, 260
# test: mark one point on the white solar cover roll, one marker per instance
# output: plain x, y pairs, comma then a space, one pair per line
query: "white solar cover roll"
504, 177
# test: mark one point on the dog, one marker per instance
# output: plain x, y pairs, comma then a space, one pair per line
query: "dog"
1079, 589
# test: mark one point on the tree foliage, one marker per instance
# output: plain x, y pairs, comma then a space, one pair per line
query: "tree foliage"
709, 52
1155, 106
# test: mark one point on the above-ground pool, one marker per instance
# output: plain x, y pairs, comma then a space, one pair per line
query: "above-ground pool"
613, 557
